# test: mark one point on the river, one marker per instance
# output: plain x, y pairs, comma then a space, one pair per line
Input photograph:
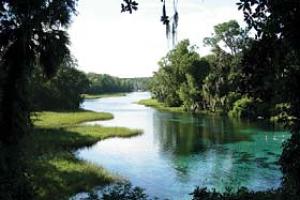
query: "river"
178, 151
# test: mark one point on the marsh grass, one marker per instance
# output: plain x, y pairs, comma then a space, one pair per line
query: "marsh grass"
160, 106
50, 152
98, 96
62, 119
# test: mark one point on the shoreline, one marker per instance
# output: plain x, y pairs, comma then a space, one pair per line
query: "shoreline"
50, 152
105, 95
153, 103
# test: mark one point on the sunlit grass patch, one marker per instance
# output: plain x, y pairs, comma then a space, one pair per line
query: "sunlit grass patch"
50, 146
160, 106
62, 175
93, 131
98, 96
61, 119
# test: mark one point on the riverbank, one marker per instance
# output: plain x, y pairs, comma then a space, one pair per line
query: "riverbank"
50, 152
160, 106
98, 96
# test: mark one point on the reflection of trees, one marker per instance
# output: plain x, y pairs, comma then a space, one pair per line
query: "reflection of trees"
176, 136
184, 134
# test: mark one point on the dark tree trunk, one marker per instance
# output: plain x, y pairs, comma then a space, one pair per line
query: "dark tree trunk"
14, 123
14, 109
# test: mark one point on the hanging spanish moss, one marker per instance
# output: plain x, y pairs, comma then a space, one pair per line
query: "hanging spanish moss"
171, 23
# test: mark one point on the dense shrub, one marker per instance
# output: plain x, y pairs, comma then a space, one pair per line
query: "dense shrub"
120, 191
231, 98
125, 191
244, 108
281, 113
242, 194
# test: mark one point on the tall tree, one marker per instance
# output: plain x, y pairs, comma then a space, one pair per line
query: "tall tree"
180, 77
229, 35
31, 32
228, 41
276, 23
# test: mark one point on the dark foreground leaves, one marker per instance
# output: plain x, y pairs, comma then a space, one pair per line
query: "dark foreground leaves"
125, 191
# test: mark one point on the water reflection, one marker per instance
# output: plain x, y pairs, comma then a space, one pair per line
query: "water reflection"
184, 134
178, 151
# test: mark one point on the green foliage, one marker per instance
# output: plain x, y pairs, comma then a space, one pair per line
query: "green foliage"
244, 108
180, 76
230, 35
98, 96
290, 164
231, 98
223, 82
282, 114
188, 93
240, 194
120, 191
274, 58
61, 92
138, 84
212, 82
103, 83
54, 119
37, 35
159, 105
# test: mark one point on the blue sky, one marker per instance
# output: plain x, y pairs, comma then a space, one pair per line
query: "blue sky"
105, 41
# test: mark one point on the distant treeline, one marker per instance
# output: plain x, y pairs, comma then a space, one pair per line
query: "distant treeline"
63, 91
104, 83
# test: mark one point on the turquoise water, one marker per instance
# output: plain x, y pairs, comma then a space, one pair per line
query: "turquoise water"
180, 151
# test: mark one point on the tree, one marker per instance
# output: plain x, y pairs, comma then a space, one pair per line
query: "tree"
35, 32
61, 92
31, 32
180, 77
222, 86
276, 25
230, 35
104, 83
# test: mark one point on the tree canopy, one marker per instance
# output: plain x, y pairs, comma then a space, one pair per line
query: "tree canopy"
32, 32
180, 76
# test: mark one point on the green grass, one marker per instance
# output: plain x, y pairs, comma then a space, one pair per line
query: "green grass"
54, 167
160, 106
97, 96
61, 119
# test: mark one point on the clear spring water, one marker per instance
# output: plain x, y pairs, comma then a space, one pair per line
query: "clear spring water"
180, 151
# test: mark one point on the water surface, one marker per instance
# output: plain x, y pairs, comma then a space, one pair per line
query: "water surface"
180, 151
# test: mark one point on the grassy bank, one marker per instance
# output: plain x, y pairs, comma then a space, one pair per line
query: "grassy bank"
57, 173
98, 96
160, 106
